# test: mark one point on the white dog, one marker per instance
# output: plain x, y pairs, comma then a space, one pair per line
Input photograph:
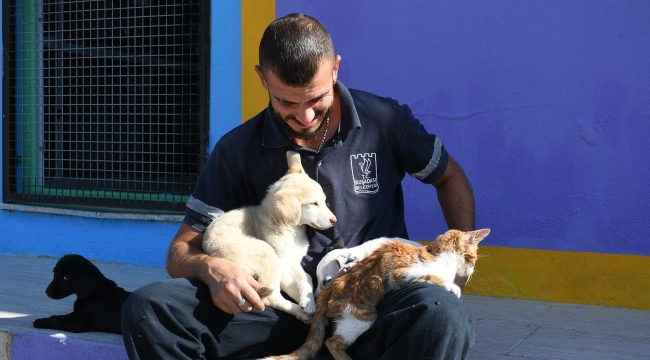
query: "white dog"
340, 259
270, 239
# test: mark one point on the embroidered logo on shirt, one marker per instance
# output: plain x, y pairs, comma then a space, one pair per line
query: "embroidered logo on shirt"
364, 173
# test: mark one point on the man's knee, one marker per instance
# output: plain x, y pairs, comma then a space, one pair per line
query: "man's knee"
139, 300
418, 321
433, 306
142, 302
443, 306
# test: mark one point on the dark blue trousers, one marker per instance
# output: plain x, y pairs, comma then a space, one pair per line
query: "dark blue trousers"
175, 319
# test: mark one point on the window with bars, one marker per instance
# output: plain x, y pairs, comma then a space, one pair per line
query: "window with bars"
104, 102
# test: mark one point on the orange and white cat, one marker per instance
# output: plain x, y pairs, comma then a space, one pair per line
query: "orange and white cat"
350, 300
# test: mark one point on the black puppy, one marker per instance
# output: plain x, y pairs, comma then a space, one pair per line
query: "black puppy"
99, 300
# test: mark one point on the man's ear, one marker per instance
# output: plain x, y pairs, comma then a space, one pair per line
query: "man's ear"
258, 70
335, 70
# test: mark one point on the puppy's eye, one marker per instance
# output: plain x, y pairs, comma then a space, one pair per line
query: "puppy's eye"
65, 278
313, 203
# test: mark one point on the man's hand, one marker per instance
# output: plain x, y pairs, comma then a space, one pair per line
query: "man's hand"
228, 283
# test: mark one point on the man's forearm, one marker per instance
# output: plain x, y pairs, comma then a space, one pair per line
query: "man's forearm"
457, 201
186, 258
458, 210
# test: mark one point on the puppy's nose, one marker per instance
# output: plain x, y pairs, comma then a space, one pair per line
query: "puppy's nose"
48, 292
333, 220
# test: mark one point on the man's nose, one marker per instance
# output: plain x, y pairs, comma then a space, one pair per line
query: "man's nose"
305, 116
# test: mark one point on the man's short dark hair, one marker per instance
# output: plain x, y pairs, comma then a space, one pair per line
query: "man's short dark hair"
293, 47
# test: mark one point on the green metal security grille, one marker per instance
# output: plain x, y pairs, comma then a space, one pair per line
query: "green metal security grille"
104, 102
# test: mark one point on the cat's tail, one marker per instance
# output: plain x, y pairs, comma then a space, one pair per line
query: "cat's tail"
314, 340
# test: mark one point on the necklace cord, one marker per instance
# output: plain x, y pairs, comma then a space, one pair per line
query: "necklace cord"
322, 142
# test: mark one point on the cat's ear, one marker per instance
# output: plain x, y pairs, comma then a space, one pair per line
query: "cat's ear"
338, 243
477, 235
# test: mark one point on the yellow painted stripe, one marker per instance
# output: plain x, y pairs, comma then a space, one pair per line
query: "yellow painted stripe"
559, 276
256, 16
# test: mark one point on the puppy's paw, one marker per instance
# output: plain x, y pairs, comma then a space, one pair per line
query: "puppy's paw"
451, 287
304, 317
42, 323
309, 306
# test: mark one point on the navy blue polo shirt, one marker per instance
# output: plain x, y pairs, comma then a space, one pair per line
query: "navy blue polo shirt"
360, 169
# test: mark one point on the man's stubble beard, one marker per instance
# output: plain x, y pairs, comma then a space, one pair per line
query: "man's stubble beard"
307, 136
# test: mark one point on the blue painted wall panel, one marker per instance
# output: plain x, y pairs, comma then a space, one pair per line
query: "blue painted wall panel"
225, 69
124, 241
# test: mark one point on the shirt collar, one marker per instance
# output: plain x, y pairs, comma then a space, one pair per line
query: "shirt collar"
349, 117
275, 137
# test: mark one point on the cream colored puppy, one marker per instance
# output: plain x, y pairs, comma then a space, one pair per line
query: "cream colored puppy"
270, 239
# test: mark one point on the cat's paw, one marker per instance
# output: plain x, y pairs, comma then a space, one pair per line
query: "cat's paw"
451, 287
351, 261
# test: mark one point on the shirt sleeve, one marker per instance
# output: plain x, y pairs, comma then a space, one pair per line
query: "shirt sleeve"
217, 190
423, 154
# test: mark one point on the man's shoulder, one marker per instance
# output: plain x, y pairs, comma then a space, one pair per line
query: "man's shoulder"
369, 103
384, 112
243, 135
363, 97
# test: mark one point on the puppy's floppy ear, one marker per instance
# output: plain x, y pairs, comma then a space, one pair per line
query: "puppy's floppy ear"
86, 280
287, 207
293, 160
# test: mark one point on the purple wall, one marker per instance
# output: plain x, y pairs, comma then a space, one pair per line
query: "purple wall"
546, 105
28, 346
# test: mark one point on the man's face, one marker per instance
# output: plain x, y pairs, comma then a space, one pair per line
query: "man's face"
301, 111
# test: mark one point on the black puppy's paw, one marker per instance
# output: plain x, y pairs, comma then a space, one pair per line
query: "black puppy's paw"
42, 323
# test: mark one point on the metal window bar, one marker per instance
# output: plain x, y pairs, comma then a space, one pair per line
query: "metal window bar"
104, 102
